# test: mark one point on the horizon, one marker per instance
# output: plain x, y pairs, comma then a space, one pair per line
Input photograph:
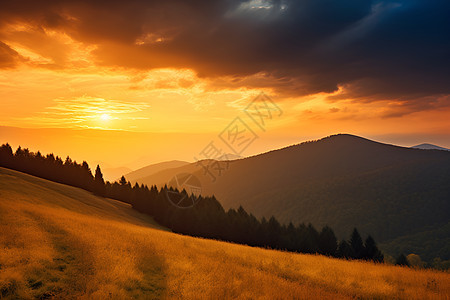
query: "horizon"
143, 161
152, 69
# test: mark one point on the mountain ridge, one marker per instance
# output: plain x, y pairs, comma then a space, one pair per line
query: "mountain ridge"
388, 190
426, 146
153, 168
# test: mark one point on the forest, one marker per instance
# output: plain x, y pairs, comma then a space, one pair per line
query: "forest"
206, 219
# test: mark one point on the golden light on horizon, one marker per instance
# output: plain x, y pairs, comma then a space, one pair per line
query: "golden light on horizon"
105, 117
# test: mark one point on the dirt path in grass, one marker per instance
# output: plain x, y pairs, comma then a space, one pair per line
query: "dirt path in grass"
48, 252
71, 269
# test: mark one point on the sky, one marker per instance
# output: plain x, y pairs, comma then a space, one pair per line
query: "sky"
128, 83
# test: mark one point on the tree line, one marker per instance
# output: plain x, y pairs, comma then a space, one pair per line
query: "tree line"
206, 219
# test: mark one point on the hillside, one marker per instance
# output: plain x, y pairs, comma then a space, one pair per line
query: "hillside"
342, 181
63, 242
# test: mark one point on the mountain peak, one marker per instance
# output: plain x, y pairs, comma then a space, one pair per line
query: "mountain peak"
427, 146
345, 137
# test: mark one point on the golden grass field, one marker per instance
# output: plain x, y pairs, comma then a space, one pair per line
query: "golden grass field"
61, 242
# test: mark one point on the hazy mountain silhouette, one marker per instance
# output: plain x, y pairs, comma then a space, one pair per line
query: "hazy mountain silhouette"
429, 147
112, 174
341, 181
142, 173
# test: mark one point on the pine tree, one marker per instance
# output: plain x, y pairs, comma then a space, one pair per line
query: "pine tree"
327, 241
344, 250
356, 244
122, 181
99, 182
371, 251
6, 156
402, 261
273, 232
311, 239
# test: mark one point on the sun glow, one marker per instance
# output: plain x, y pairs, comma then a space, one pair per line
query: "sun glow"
105, 117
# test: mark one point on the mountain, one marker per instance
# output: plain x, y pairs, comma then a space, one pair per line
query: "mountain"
229, 156
429, 147
142, 173
111, 174
341, 181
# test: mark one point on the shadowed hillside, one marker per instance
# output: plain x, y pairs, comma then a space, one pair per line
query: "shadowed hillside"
341, 181
62, 242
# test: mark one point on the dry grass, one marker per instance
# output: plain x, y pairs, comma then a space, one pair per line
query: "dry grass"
61, 242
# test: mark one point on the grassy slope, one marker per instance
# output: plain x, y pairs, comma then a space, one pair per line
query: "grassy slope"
61, 241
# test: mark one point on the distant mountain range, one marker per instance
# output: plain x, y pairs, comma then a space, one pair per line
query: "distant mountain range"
429, 147
111, 174
394, 193
142, 173
145, 174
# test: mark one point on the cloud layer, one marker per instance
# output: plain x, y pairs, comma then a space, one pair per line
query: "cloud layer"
87, 112
371, 50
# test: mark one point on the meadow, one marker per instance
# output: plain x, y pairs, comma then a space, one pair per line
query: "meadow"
62, 242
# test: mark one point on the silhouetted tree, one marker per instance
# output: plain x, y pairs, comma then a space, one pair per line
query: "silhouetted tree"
99, 182
123, 180
274, 230
344, 250
356, 244
327, 242
401, 260
6, 156
371, 251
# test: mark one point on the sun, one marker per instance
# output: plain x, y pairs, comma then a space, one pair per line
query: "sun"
105, 117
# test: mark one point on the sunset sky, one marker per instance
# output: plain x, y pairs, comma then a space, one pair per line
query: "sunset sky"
127, 83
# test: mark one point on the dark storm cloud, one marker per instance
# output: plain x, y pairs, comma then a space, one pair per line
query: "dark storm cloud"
377, 49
